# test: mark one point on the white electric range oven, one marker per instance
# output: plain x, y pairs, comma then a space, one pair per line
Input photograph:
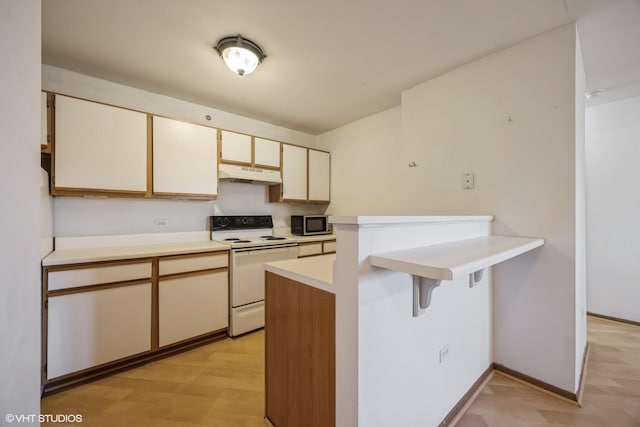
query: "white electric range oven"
252, 244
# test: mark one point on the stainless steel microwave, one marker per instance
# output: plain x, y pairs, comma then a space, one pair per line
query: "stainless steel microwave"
308, 225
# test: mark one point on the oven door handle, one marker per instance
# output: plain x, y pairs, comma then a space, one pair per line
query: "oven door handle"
246, 251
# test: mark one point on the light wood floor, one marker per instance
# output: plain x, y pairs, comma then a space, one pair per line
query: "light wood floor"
611, 392
222, 384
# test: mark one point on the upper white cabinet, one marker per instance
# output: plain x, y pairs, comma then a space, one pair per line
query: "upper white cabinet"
99, 148
266, 153
319, 176
185, 159
305, 176
294, 173
245, 149
235, 147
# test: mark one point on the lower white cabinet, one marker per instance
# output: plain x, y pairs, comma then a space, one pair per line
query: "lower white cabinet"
319, 247
309, 249
87, 329
192, 305
101, 316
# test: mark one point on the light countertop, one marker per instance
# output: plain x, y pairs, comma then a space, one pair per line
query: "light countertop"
316, 271
373, 220
85, 255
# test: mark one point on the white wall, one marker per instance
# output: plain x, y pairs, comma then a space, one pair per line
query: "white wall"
84, 217
20, 187
401, 381
510, 118
581, 220
365, 163
613, 208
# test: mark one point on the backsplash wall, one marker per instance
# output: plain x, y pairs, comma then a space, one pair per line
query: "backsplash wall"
76, 216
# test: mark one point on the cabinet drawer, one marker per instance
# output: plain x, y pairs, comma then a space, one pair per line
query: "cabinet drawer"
187, 263
87, 329
329, 246
308, 249
192, 305
97, 275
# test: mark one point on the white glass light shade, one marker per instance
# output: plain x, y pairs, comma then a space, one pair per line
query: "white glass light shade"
240, 60
241, 55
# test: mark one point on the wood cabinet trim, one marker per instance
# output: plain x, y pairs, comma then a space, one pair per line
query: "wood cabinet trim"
98, 287
97, 264
69, 191
196, 254
235, 162
45, 317
308, 175
51, 126
102, 366
188, 340
155, 304
314, 242
185, 196
149, 156
193, 273
49, 117
253, 150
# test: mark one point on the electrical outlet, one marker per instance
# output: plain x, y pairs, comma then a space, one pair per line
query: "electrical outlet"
444, 353
161, 223
468, 181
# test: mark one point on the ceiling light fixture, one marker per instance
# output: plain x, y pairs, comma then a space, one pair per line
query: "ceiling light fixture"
241, 55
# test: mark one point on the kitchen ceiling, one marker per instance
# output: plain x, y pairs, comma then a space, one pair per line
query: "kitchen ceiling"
329, 62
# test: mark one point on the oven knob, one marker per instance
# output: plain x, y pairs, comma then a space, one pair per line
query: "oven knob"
222, 222
244, 220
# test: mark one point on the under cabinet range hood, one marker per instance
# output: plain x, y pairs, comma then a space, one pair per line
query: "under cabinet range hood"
248, 174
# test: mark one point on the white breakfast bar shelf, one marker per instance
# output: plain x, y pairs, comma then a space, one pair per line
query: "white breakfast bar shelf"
430, 265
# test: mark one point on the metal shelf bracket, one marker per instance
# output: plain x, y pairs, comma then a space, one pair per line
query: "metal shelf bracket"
475, 277
422, 289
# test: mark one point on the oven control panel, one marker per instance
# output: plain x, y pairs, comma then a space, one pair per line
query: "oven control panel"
238, 222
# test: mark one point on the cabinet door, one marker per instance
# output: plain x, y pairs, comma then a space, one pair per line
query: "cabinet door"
192, 305
185, 158
309, 249
99, 147
329, 247
266, 153
319, 176
294, 172
87, 329
236, 147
